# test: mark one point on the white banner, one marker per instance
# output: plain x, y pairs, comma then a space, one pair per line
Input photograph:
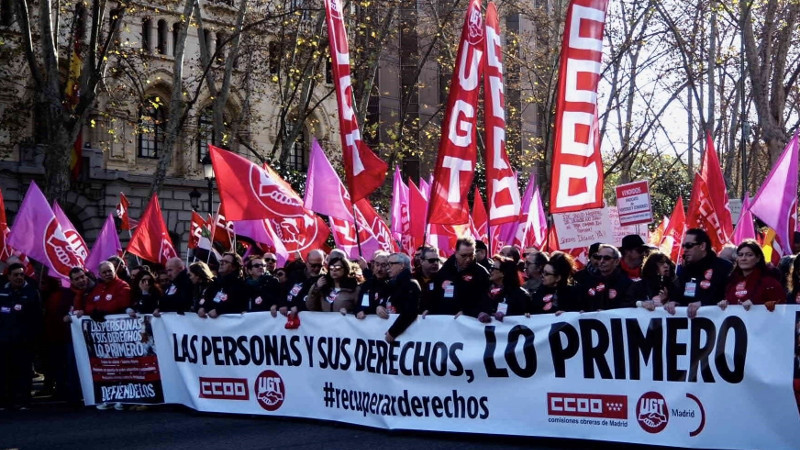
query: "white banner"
582, 228
723, 379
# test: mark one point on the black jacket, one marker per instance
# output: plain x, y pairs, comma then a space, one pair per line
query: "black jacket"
228, 294
20, 314
179, 295
467, 292
371, 294
549, 299
710, 276
600, 293
264, 292
403, 299
518, 300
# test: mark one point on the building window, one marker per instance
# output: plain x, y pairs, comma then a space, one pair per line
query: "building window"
152, 127
205, 132
162, 37
147, 26
298, 155
176, 33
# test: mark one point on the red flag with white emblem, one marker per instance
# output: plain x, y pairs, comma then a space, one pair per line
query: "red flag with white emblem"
151, 239
455, 163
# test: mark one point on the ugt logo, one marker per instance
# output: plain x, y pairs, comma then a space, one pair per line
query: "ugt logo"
652, 413
270, 390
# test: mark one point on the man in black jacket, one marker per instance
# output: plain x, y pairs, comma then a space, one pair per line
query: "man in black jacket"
178, 295
462, 284
228, 294
608, 286
374, 293
404, 296
702, 276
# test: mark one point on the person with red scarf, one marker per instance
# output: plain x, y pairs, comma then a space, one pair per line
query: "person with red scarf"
750, 282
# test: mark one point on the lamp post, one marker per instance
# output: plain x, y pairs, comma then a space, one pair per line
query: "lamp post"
208, 173
194, 198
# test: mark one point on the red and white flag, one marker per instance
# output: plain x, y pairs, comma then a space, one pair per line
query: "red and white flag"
198, 230
455, 163
673, 235
222, 230
73, 237
261, 232
377, 226
501, 182
252, 192
577, 176
702, 214
151, 240
364, 171
712, 173
37, 233
479, 221
325, 193
106, 245
122, 211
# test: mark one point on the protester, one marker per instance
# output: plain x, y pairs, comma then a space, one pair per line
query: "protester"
404, 296
557, 293
179, 294
201, 278
264, 287
228, 294
703, 276
656, 288
146, 295
750, 283
120, 268
280, 274
461, 284
534, 263
162, 279
505, 296
60, 371
482, 255
270, 262
606, 289
428, 269
20, 327
300, 278
633, 250
110, 295
373, 294
334, 291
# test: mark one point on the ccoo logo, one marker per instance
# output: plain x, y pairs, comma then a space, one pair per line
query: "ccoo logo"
270, 390
652, 413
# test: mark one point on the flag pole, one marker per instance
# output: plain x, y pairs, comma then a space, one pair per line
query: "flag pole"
355, 225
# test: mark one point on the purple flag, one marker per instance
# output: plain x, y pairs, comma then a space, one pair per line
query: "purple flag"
744, 227
37, 233
325, 193
532, 230
262, 232
776, 201
106, 245
73, 237
400, 218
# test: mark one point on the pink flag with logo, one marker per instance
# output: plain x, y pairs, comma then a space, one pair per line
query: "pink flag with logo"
73, 237
325, 192
744, 227
401, 225
532, 230
262, 232
776, 201
377, 226
106, 245
37, 233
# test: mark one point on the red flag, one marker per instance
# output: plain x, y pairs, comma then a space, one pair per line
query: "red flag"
480, 224
501, 182
577, 177
455, 163
122, 212
702, 214
418, 207
364, 171
673, 234
222, 230
196, 229
151, 240
377, 226
73, 237
5, 249
251, 192
712, 174
301, 234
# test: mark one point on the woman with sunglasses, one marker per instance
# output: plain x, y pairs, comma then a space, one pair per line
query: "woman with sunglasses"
264, 287
657, 285
557, 293
145, 293
506, 297
750, 282
334, 291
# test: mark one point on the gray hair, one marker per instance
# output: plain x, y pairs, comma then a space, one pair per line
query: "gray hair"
405, 259
617, 254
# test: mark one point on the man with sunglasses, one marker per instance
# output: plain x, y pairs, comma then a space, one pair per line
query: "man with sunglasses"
300, 278
428, 267
605, 287
270, 262
264, 287
462, 284
702, 276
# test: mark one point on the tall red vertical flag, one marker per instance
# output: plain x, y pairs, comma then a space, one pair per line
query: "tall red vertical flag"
480, 222
577, 176
122, 211
501, 183
364, 171
455, 163
151, 240
673, 234
702, 214
711, 172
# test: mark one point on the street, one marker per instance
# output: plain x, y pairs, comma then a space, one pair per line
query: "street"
55, 425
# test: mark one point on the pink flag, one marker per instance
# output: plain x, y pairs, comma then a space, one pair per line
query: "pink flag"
262, 232
37, 233
419, 206
479, 219
106, 245
376, 225
776, 202
744, 228
532, 229
73, 237
344, 235
400, 217
325, 193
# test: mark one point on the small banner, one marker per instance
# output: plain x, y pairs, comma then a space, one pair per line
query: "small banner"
583, 228
633, 203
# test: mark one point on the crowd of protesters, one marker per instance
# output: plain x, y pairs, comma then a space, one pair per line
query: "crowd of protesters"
35, 317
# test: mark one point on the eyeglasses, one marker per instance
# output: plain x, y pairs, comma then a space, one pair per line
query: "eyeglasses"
270, 260
386, 264
552, 274
391, 263
256, 266
603, 257
688, 245
433, 260
336, 268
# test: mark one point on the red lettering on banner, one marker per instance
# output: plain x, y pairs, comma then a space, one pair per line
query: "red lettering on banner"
587, 405
577, 163
224, 388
